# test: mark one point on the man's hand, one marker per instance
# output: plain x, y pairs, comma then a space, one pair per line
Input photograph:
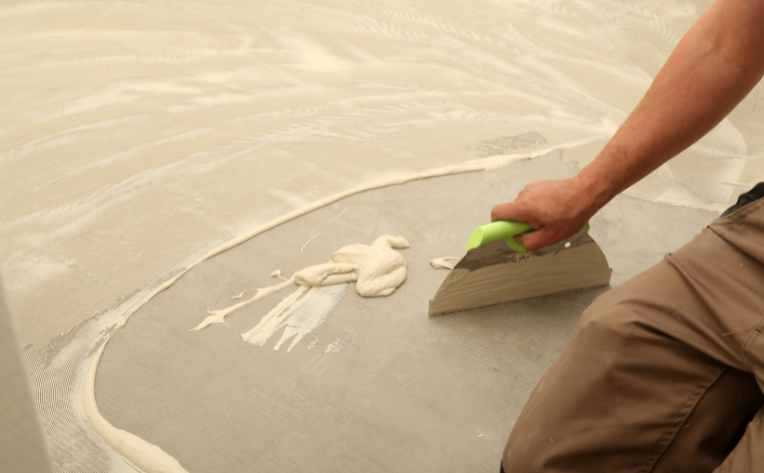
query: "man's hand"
712, 68
556, 209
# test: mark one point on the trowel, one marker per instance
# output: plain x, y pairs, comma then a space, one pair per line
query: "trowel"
497, 268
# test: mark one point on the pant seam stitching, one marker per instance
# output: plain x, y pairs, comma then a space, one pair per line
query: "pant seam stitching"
687, 408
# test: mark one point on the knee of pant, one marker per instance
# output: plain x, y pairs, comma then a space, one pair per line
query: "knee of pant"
612, 329
612, 319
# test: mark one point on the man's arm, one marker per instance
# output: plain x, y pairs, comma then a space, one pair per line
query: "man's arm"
709, 72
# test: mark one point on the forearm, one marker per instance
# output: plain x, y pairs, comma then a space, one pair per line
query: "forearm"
712, 68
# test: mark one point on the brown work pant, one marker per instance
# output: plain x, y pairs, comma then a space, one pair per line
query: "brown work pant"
664, 373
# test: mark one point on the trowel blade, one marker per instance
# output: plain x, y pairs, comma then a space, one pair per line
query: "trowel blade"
494, 274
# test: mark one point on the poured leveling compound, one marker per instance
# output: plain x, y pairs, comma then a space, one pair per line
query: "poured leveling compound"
377, 270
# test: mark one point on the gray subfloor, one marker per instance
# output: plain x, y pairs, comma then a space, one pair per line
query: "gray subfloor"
406, 393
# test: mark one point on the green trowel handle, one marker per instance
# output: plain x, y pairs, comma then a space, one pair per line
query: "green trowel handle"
504, 230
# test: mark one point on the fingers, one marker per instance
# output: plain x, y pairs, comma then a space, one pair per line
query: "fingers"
539, 239
511, 211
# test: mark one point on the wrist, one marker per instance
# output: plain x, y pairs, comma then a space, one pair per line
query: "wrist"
594, 190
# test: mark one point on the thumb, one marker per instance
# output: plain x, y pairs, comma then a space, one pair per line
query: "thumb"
539, 239
510, 211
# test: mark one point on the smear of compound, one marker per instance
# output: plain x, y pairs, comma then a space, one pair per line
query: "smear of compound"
377, 270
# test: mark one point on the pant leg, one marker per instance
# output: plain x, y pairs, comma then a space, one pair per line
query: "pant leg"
740, 230
715, 425
657, 377
748, 456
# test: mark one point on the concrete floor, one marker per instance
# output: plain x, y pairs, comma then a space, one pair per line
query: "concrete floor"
125, 117
136, 136
404, 392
